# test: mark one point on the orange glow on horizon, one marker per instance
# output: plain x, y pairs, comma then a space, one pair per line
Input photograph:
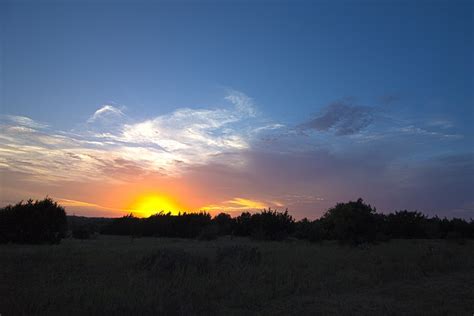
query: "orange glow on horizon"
150, 204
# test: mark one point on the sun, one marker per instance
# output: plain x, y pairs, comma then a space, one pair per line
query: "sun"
151, 204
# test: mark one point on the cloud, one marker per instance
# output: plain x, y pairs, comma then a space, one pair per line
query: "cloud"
105, 112
166, 144
441, 123
414, 130
242, 102
343, 118
22, 121
87, 209
187, 129
230, 158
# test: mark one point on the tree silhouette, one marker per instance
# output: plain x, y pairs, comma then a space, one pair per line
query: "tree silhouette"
33, 222
352, 222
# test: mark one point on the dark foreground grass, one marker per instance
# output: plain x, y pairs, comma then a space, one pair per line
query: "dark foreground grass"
118, 275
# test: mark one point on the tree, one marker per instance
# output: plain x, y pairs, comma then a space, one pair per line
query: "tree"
406, 224
225, 223
352, 222
33, 222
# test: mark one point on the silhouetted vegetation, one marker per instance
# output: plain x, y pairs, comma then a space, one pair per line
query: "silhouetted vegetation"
183, 225
357, 222
33, 222
93, 224
234, 274
354, 222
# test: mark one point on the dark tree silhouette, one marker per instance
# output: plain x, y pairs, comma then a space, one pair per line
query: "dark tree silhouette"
310, 230
225, 223
33, 222
405, 224
352, 222
271, 225
183, 225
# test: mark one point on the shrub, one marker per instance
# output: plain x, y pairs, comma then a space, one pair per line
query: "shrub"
272, 225
267, 225
33, 222
183, 225
225, 223
310, 230
352, 222
405, 224
127, 225
243, 224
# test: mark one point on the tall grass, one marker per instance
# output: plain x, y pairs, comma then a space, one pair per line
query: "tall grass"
119, 275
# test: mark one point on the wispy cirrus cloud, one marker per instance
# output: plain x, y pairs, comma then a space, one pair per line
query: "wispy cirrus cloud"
164, 144
243, 103
343, 118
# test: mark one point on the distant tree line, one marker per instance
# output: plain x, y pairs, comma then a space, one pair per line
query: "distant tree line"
354, 222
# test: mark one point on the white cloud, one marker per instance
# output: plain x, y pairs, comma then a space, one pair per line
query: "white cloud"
23, 121
165, 144
242, 102
106, 111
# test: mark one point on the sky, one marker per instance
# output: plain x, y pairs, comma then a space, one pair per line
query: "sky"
118, 106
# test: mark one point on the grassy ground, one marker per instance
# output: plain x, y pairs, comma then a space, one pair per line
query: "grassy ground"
118, 275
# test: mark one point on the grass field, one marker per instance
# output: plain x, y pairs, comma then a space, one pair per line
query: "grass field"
120, 275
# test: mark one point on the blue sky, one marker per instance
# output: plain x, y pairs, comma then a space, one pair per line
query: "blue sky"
379, 94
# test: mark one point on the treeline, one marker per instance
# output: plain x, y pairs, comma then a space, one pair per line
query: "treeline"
354, 222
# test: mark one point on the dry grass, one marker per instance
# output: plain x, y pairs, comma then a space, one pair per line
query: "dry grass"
118, 275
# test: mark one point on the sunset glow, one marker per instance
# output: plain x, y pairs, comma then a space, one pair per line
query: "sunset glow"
236, 157
131, 110
147, 205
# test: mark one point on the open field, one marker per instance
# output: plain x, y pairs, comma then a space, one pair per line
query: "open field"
119, 275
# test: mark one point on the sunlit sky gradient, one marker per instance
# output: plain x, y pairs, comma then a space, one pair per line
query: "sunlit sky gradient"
238, 105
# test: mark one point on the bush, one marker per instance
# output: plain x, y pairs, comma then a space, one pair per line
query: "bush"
310, 230
272, 225
352, 222
127, 225
267, 225
33, 222
225, 223
243, 224
183, 225
405, 224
